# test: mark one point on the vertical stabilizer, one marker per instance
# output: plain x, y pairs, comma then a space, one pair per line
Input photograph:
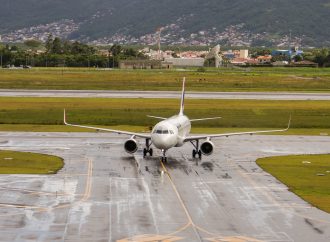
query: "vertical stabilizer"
182, 97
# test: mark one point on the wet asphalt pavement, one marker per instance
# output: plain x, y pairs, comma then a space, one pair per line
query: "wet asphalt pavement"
104, 194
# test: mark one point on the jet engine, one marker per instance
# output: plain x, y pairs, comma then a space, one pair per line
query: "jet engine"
131, 146
207, 148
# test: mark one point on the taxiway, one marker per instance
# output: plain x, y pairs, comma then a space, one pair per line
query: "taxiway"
163, 94
103, 194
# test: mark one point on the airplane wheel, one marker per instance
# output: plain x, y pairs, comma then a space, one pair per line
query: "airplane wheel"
150, 152
194, 153
144, 152
200, 154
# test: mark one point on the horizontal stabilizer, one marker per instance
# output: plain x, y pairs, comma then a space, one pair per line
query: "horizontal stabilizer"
150, 116
202, 119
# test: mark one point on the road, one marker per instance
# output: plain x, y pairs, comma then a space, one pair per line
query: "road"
104, 194
161, 94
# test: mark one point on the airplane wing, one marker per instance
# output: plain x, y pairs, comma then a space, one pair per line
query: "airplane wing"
191, 138
147, 136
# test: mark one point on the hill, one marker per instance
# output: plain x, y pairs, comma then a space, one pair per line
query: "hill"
239, 22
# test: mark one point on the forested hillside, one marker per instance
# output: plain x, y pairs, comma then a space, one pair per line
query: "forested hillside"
308, 20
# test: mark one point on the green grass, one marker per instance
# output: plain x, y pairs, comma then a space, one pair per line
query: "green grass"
132, 112
12, 162
302, 177
224, 79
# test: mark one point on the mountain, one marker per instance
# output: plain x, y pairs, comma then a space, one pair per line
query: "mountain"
242, 22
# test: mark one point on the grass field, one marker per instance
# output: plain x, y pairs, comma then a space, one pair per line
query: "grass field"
12, 162
224, 79
308, 176
42, 113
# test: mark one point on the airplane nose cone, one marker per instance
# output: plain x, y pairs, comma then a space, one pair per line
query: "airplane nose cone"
164, 141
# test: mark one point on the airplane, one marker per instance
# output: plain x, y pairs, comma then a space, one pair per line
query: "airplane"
173, 132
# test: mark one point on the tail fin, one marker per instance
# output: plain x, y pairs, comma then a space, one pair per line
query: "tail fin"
182, 97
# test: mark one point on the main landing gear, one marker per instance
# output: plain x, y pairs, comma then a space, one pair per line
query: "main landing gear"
196, 152
147, 150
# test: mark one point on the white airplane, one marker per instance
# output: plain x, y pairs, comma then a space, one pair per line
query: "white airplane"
173, 132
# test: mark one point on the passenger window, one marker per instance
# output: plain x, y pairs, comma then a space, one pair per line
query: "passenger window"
158, 131
165, 131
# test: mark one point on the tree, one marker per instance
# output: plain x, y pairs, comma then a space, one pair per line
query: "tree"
49, 43
57, 46
280, 58
32, 43
260, 52
297, 58
116, 50
321, 56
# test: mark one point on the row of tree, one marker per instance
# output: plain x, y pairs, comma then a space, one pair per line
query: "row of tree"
60, 52
65, 53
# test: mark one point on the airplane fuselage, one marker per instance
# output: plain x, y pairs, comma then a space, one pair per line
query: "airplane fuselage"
171, 132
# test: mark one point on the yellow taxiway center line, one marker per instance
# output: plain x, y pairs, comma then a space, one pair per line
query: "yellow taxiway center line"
177, 194
190, 221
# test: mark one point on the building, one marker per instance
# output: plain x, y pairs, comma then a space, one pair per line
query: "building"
244, 54
267, 59
229, 55
145, 64
214, 54
239, 61
185, 62
288, 53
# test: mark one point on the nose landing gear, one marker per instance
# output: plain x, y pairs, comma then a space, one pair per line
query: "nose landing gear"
164, 158
147, 149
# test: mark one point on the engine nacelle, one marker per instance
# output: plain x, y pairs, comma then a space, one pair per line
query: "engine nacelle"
207, 148
131, 146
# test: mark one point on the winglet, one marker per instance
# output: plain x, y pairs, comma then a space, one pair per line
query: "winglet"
64, 118
182, 96
289, 124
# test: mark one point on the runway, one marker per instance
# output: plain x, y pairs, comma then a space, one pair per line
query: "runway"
163, 94
104, 194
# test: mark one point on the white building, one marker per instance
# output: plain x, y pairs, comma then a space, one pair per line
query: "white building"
244, 54
186, 62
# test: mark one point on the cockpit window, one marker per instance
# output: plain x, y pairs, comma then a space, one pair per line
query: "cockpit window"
163, 130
